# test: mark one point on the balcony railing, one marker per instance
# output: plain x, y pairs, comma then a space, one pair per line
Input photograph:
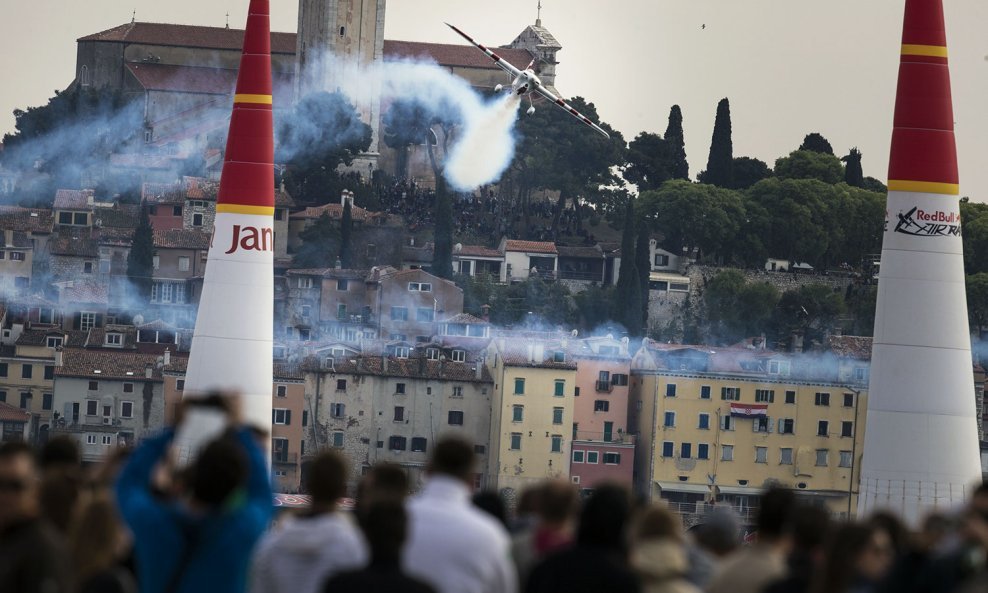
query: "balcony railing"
604, 386
703, 507
616, 438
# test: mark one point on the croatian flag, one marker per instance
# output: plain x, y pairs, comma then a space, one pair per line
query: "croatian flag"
749, 410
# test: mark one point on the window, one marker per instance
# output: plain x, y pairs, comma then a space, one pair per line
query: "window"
304, 282
397, 443
179, 384
821, 457
519, 386
578, 456
128, 387
155, 262
26, 371
343, 285
661, 260
432, 353
399, 414
787, 426
126, 409
785, 456
54, 341
560, 386
457, 391
671, 390
761, 454
703, 451
281, 391
704, 422
822, 399
822, 428
845, 459
64, 218
847, 429
685, 450
730, 393
424, 314
557, 415
517, 413
860, 375
593, 456
87, 267
399, 313
341, 384
305, 418
418, 444
80, 218
92, 407
557, 443
183, 263
726, 423
176, 210
790, 397
848, 400
705, 392
601, 405
400, 388
337, 410
419, 287
727, 452
114, 339
558, 356
94, 386
613, 458
90, 439
281, 416
764, 396
670, 420
479, 449
25, 400
455, 418
619, 379
3, 369
49, 372
87, 321
3, 396
46, 401
341, 311
459, 355
668, 448
338, 439
761, 424
197, 219
516, 441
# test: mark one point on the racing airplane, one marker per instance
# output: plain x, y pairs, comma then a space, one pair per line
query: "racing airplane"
525, 82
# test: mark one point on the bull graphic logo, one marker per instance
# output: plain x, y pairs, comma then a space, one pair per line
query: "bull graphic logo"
919, 223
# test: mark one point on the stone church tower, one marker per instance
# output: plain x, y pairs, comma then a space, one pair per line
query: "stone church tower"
335, 38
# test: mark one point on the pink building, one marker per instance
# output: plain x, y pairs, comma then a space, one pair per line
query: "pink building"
602, 448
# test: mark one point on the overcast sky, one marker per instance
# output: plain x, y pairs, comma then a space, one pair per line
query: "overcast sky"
788, 66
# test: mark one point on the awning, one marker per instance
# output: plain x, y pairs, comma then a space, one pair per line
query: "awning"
683, 487
741, 490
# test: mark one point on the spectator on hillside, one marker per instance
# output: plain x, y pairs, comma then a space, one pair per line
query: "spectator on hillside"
658, 554
810, 529
311, 547
453, 546
201, 539
385, 527
99, 543
599, 559
553, 529
32, 558
752, 568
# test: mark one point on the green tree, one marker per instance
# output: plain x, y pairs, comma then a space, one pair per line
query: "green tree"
974, 221
720, 162
692, 215
861, 301
628, 297
643, 263
815, 142
649, 161
346, 230
977, 302
140, 260
320, 244
677, 144
811, 311
736, 309
442, 254
853, 175
594, 306
872, 184
748, 171
404, 125
801, 223
807, 164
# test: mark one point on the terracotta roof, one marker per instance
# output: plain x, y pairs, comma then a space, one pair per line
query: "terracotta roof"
96, 337
288, 371
530, 246
332, 273
416, 254
120, 237
446, 54
28, 220
857, 347
107, 364
85, 291
466, 318
37, 337
189, 79
9, 413
157, 325
74, 242
416, 367
181, 239
580, 251
335, 211
119, 216
162, 193
17, 239
477, 251
515, 353
73, 199
283, 199
188, 35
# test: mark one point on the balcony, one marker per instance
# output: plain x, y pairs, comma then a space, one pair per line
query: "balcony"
284, 458
604, 386
614, 438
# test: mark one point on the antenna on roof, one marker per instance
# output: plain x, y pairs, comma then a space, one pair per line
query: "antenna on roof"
538, 17
133, 16
228, 20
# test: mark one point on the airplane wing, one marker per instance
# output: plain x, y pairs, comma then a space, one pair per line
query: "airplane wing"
501, 62
566, 107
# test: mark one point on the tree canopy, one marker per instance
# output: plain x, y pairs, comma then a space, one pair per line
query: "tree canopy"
737, 309
650, 161
720, 161
807, 164
815, 142
320, 244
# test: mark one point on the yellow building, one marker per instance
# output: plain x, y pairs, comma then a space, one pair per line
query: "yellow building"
718, 425
531, 411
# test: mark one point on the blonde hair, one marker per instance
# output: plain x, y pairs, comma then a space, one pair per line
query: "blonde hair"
96, 536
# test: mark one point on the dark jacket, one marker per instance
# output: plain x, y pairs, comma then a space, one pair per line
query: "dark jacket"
798, 577
378, 577
582, 569
32, 559
164, 531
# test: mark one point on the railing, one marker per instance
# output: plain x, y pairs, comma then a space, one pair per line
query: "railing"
617, 438
604, 386
597, 276
702, 508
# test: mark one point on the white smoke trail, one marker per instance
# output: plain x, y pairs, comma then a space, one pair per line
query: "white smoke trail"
485, 148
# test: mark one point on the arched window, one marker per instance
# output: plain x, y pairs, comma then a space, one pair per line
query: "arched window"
84, 75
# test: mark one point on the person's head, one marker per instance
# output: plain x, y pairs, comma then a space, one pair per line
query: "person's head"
775, 514
385, 526
894, 528
853, 552
558, 501
658, 523
453, 457
218, 472
605, 517
96, 537
58, 496
326, 481
490, 502
810, 528
718, 534
529, 501
18, 483
60, 452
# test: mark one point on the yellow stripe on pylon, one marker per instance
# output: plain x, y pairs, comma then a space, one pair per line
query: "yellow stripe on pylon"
243, 209
932, 51
261, 99
924, 187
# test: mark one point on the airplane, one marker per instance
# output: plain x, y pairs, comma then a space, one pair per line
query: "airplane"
525, 82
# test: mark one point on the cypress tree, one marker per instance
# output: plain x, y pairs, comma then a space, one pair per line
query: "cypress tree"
140, 260
628, 297
643, 261
721, 160
346, 229
679, 169
853, 175
442, 255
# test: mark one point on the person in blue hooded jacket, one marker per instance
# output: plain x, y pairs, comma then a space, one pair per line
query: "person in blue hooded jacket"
196, 532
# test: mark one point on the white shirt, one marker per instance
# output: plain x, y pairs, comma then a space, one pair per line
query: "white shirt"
454, 546
305, 552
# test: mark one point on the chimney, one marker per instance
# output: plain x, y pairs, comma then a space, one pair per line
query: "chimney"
485, 312
384, 362
797, 343
531, 352
168, 357
8, 237
59, 356
338, 264
539, 352
148, 371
